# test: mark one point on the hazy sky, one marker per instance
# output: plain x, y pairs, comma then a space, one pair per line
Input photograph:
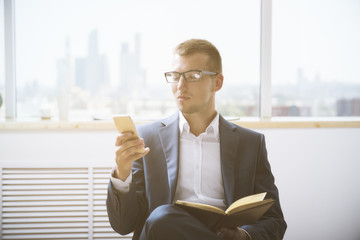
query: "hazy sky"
44, 26
321, 37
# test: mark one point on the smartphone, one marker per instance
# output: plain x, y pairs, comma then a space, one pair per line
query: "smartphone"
125, 124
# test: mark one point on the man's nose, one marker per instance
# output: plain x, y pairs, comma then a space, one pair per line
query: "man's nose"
182, 83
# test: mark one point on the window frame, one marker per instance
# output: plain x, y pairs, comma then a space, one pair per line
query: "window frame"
10, 75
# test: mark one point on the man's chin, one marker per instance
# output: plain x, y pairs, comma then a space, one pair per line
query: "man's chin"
186, 110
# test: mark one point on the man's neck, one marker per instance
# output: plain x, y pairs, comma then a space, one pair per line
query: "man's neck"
199, 122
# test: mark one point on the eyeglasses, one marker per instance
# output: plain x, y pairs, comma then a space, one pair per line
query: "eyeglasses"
189, 76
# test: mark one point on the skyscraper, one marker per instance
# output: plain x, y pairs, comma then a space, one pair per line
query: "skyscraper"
91, 72
132, 75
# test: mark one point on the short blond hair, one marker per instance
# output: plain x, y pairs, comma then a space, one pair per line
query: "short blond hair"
192, 46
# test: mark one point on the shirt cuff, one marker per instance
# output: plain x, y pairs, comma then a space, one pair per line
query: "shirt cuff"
118, 184
246, 232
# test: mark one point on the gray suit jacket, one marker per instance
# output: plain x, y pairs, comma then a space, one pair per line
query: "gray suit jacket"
244, 166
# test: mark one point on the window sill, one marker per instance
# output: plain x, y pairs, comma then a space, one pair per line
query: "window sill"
252, 123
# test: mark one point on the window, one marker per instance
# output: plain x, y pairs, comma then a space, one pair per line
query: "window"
92, 59
315, 58
97, 58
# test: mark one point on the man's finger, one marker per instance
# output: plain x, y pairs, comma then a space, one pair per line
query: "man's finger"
123, 137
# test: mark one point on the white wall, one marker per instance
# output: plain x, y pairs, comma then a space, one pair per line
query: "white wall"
317, 171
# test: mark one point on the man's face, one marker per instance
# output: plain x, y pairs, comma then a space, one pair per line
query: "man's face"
194, 97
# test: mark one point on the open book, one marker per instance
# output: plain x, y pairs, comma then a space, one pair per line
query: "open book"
244, 211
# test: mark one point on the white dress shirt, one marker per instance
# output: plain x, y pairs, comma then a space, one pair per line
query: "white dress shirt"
200, 178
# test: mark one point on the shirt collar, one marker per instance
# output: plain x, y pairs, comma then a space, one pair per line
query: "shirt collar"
213, 127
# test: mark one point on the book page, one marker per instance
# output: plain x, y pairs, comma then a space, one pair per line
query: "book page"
246, 200
201, 206
247, 214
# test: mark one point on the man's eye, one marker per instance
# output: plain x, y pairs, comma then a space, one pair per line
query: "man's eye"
197, 75
172, 76
192, 76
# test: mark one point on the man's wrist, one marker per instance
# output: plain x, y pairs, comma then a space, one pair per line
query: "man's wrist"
122, 175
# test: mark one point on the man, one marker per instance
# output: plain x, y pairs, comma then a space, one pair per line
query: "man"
194, 155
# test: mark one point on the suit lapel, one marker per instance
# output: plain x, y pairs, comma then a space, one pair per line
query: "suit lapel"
228, 148
169, 137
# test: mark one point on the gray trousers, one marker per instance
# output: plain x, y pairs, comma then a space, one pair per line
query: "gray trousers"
168, 222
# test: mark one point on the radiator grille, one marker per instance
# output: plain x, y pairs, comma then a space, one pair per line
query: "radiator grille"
55, 203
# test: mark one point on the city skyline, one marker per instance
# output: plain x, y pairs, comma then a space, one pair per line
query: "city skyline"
308, 96
305, 97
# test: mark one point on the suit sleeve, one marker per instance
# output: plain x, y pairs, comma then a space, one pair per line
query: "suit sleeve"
128, 211
272, 225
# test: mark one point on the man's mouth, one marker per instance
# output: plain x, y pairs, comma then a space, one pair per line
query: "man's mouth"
183, 97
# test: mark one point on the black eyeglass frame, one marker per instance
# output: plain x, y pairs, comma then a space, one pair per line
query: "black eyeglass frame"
201, 72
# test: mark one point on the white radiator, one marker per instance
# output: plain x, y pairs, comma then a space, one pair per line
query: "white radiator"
54, 203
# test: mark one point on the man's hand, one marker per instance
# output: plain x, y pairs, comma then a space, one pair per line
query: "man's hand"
126, 146
233, 234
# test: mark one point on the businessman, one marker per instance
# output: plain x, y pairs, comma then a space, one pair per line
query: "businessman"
194, 155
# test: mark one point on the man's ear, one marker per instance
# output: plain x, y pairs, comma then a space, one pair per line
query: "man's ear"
219, 82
